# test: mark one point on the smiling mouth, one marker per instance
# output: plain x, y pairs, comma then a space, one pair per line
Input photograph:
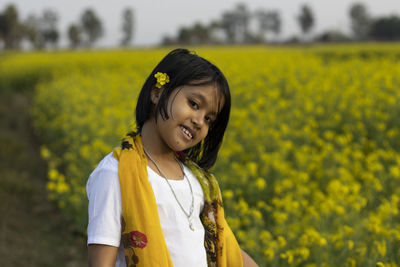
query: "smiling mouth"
187, 132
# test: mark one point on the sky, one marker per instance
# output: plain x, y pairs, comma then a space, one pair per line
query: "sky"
157, 18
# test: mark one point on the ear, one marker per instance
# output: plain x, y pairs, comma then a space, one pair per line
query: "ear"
156, 94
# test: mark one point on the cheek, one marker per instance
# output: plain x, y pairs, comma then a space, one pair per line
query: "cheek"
203, 134
177, 112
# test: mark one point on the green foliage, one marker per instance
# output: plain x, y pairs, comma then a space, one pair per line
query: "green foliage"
306, 19
91, 26
386, 28
127, 26
360, 20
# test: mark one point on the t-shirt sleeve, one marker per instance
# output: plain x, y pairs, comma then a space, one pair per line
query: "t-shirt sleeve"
105, 209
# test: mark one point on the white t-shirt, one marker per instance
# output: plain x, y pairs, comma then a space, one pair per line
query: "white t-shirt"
186, 247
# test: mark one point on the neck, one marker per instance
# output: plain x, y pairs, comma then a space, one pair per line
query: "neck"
153, 144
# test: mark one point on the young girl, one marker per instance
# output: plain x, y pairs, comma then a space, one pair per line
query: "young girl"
152, 202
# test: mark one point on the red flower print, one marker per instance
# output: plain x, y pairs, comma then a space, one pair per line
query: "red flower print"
138, 239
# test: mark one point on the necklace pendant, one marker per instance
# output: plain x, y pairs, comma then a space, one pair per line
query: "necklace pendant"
191, 224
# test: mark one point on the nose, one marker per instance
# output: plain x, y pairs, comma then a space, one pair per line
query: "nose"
198, 120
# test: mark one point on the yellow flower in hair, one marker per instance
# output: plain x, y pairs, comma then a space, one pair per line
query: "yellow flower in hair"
162, 78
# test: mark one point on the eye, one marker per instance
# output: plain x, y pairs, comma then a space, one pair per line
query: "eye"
208, 120
193, 104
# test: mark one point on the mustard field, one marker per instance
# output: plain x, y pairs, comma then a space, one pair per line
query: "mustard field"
310, 164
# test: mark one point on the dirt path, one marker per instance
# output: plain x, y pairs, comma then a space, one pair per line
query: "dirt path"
32, 232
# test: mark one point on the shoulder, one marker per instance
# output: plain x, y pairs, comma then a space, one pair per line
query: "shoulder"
109, 162
105, 206
105, 175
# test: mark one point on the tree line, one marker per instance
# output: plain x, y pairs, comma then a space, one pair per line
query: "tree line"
238, 25
243, 26
41, 31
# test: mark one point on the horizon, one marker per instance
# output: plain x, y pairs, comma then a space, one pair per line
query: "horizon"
147, 16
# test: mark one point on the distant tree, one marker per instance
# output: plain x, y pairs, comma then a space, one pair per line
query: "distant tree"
215, 32
228, 25
49, 27
332, 36
31, 29
3, 26
200, 33
235, 24
386, 28
92, 27
292, 40
74, 36
360, 21
306, 19
243, 19
184, 36
167, 40
268, 21
11, 31
127, 26
41, 31
197, 34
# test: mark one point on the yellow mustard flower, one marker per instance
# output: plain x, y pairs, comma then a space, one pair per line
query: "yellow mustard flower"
45, 152
260, 183
228, 194
381, 248
350, 244
351, 262
162, 78
269, 253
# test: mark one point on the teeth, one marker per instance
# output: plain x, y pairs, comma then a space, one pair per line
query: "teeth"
186, 132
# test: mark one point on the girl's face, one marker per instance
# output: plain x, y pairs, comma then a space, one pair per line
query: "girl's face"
191, 110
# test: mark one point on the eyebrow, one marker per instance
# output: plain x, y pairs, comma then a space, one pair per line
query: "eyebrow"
203, 100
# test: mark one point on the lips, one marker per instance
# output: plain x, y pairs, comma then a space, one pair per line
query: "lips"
187, 131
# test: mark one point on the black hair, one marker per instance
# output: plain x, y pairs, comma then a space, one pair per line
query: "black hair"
186, 68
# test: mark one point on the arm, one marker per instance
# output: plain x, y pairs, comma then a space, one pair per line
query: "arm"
105, 209
247, 260
102, 255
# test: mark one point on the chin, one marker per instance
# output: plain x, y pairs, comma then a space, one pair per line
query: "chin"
183, 148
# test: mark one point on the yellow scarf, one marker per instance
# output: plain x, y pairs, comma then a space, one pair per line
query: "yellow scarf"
142, 237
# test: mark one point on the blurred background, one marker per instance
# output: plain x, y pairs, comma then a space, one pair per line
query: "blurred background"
310, 164
54, 24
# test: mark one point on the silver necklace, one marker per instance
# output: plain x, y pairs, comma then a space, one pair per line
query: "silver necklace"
188, 215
